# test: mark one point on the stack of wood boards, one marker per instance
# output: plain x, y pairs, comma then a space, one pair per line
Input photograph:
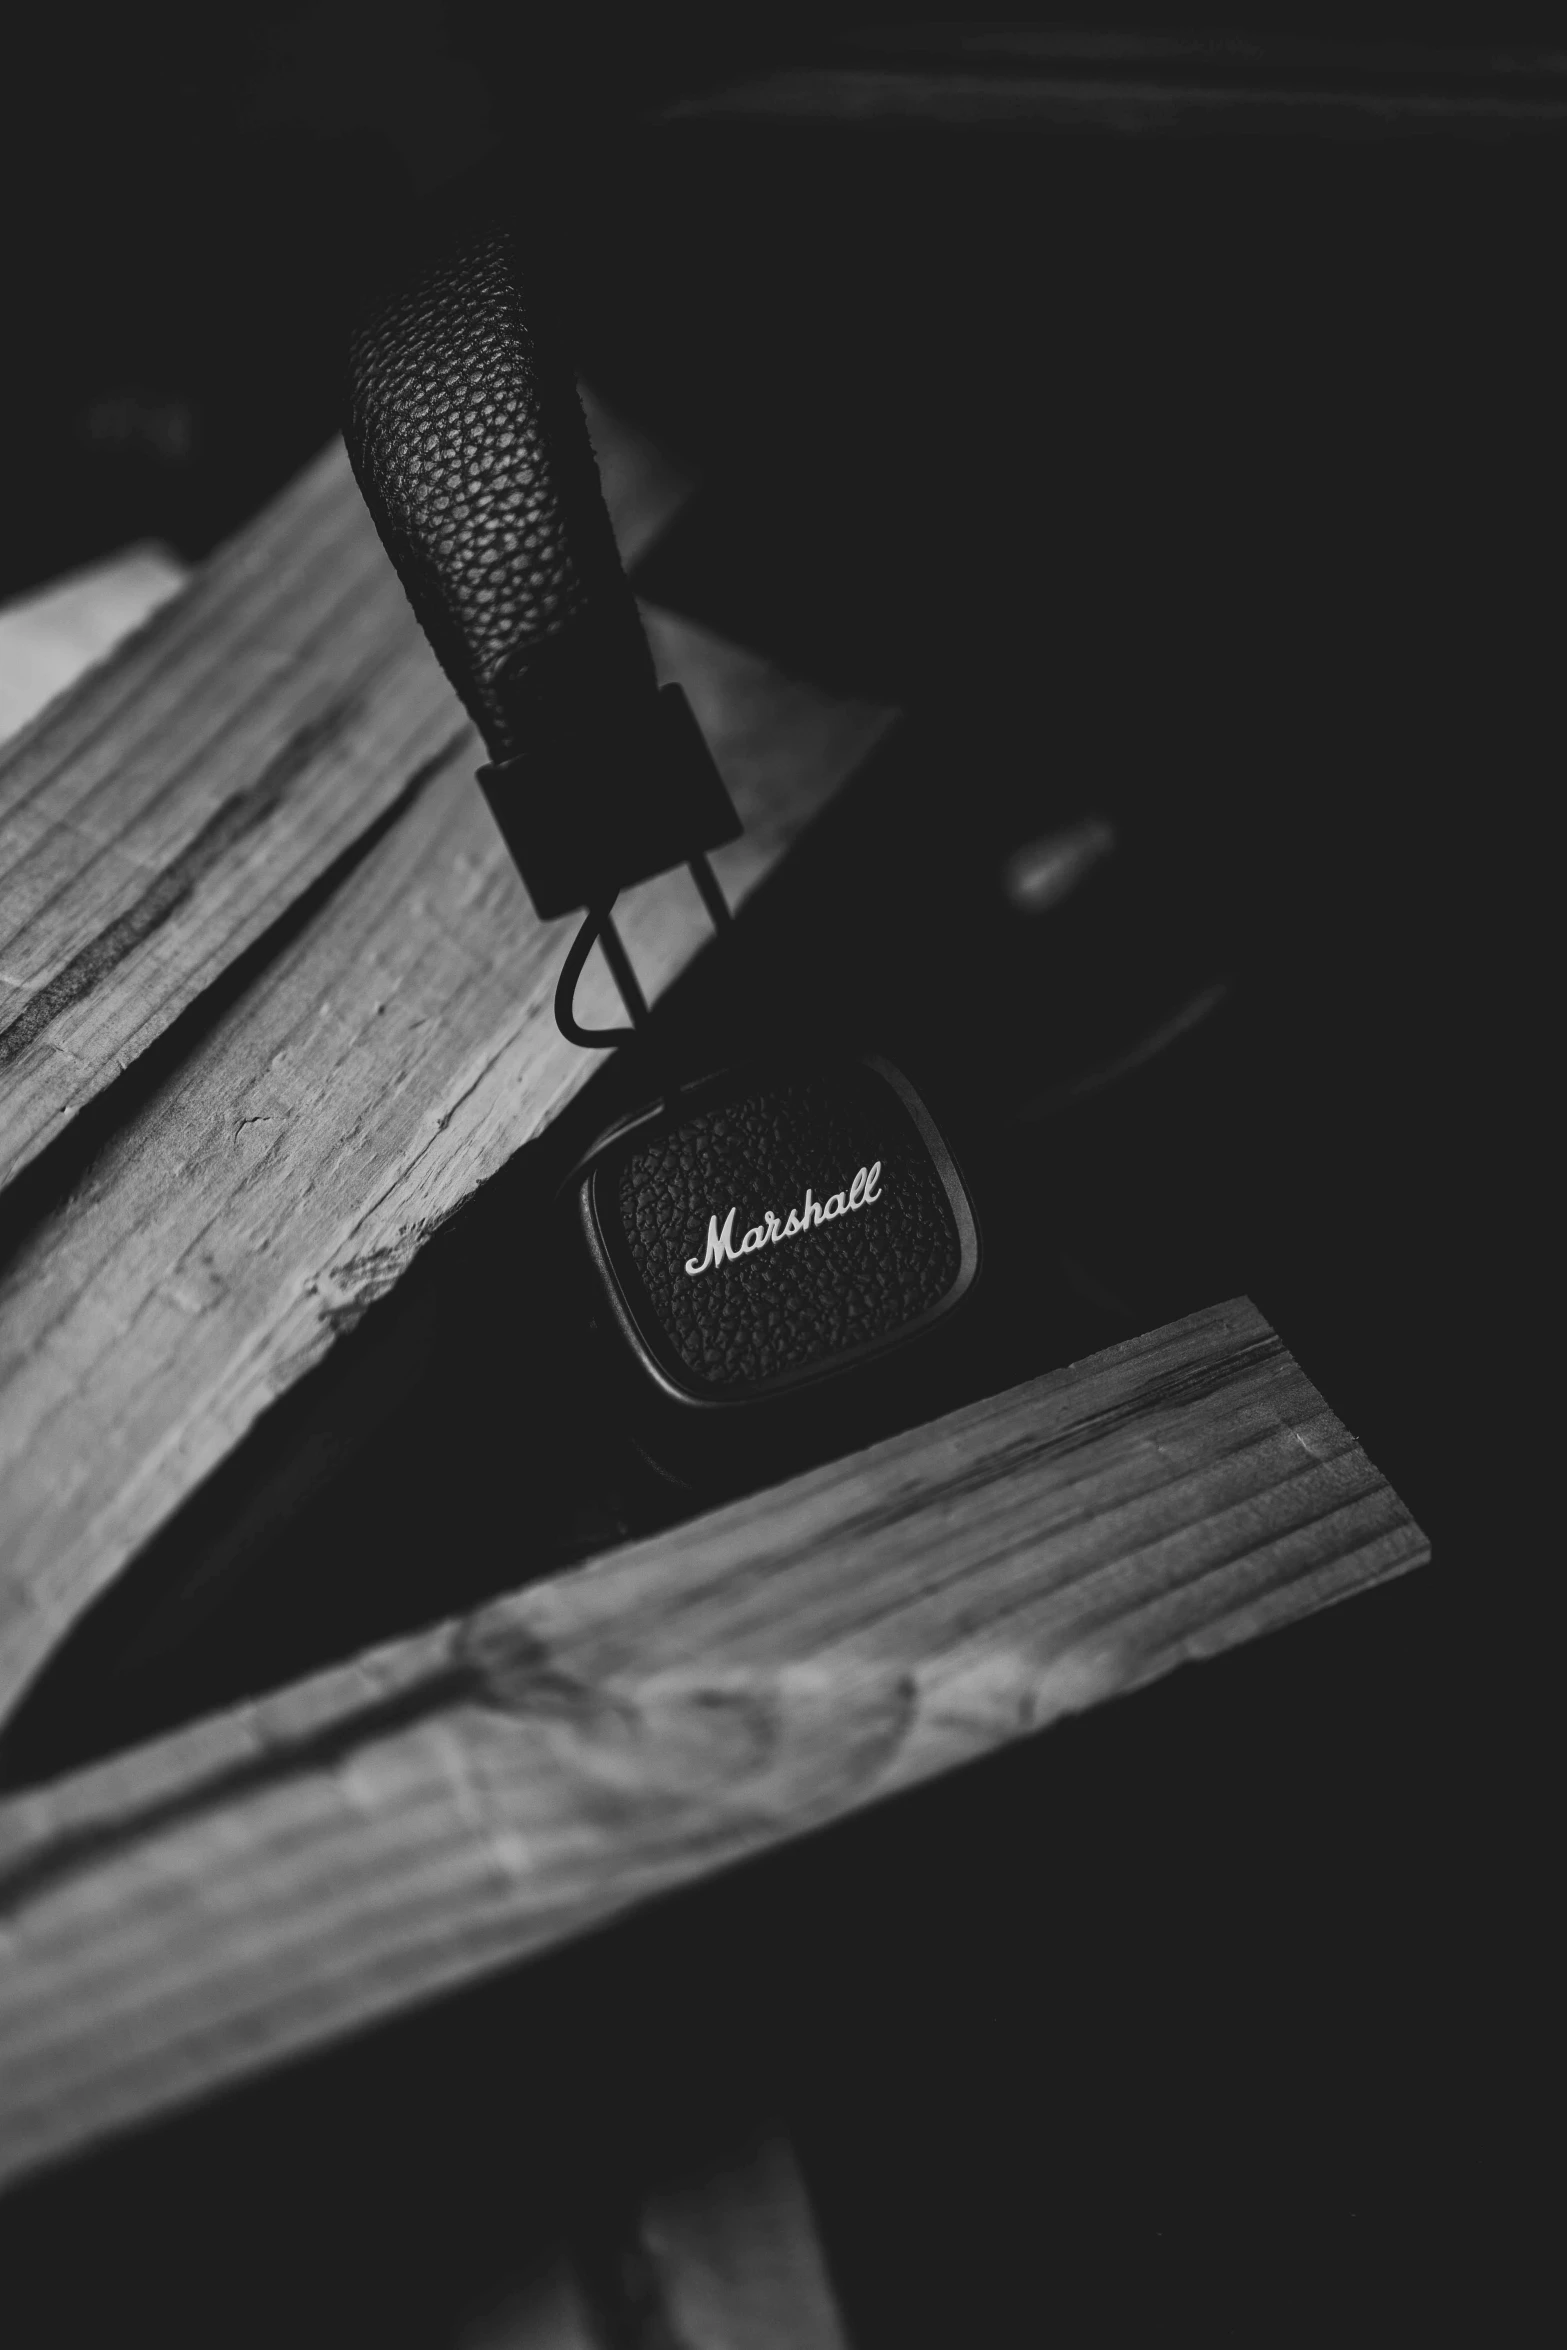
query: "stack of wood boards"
272, 784
274, 1007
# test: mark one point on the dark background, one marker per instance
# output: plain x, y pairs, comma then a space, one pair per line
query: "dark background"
1207, 483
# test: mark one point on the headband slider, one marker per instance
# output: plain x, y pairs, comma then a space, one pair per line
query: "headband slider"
614, 802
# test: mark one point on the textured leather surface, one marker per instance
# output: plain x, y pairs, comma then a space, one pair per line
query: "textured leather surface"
468, 439
804, 1300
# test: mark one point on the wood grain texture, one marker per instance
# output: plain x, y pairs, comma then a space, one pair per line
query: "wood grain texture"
737, 2257
390, 1058
392, 1054
453, 1802
157, 820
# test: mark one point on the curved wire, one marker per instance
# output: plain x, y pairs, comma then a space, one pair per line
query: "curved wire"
595, 921
597, 925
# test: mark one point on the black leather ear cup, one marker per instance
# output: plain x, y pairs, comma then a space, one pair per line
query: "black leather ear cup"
802, 1297
469, 442
767, 1236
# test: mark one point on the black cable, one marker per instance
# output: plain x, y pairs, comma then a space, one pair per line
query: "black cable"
712, 896
625, 978
597, 924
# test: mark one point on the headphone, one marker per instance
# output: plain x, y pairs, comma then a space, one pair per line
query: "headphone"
768, 1251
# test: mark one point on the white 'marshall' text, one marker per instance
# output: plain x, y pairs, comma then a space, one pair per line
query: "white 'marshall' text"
863, 1192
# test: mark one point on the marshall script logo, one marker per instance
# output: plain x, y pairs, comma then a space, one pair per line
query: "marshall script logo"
863, 1192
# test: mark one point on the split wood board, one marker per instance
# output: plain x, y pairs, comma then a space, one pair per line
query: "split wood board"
158, 818
300, 1866
392, 1054
51, 638
729, 2261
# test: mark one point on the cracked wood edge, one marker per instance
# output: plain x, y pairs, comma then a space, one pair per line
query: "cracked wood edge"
388, 1060
160, 817
263, 1881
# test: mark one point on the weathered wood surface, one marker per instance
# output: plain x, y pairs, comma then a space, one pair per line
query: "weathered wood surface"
727, 2260
157, 820
48, 639
299, 1866
392, 1055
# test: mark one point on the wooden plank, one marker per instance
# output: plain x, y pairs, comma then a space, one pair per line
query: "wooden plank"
451, 1803
392, 1057
737, 2257
729, 2259
158, 820
48, 639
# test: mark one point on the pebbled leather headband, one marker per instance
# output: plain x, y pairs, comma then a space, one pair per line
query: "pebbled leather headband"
469, 442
